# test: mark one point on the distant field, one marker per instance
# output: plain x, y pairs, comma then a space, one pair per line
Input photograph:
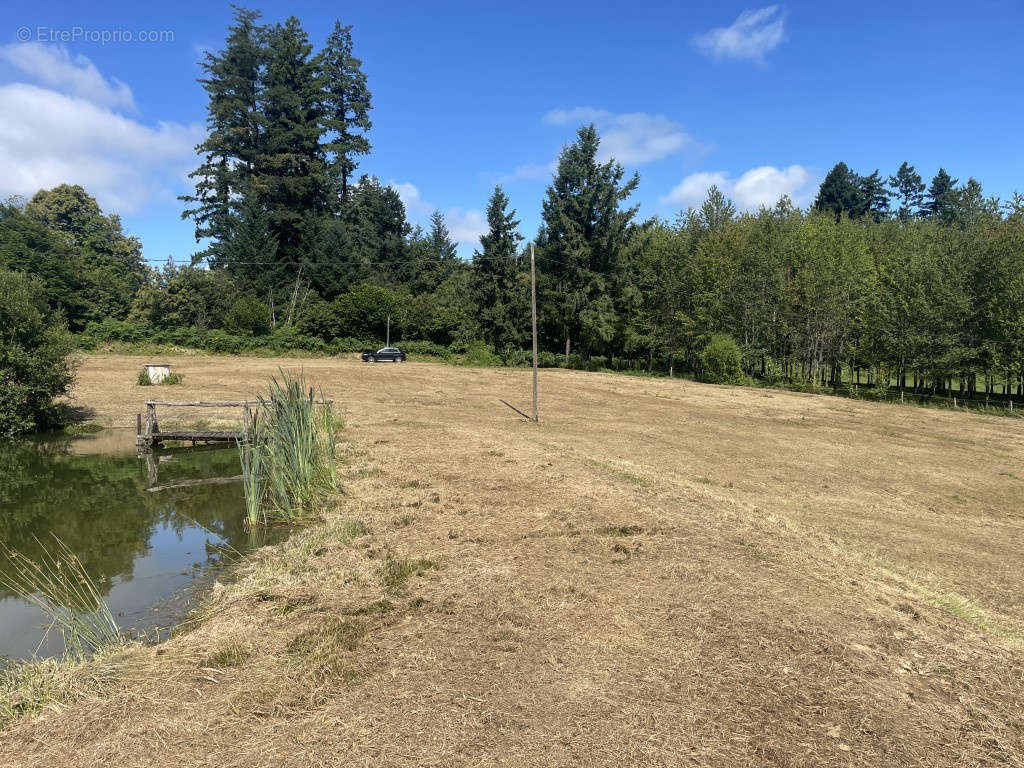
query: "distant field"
659, 573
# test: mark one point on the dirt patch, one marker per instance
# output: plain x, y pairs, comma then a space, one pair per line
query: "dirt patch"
660, 573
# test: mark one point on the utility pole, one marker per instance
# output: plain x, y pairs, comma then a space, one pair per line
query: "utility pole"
388, 342
533, 304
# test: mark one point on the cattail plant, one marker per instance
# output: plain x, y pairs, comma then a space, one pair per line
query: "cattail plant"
289, 461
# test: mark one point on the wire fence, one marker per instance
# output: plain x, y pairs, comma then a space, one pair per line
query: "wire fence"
960, 400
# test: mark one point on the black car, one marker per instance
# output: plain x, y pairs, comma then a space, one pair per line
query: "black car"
385, 355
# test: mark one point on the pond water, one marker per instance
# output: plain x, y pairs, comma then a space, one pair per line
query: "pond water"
144, 530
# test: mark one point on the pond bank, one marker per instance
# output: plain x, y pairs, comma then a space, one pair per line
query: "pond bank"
144, 528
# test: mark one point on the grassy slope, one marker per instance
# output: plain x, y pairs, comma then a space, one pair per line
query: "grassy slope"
660, 573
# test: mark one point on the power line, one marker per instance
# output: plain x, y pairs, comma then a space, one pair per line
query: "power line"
273, 262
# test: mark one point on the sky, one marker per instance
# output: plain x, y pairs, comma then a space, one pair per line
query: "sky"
759, 99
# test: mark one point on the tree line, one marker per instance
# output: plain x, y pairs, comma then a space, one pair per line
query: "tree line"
882, 280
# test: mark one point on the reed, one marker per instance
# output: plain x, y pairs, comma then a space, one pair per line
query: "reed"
250, 454
57, 583
289, 460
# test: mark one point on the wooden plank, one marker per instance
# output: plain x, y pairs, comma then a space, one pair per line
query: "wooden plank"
204, 403
222, 404
181, 434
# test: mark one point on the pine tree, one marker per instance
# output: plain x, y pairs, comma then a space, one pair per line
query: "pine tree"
346, 107
501, 307
235, 124
582, 239
250, 253
908, 188
839, 193
433, 258
377, 232
291, 177
873, 197
717, 210
940, 202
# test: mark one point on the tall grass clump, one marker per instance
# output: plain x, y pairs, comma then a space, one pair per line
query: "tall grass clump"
58, 584
289, 460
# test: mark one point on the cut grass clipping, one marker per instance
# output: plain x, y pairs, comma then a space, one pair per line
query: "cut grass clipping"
57, 584
289, 461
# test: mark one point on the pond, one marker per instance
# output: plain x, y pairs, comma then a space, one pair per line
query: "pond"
145, 530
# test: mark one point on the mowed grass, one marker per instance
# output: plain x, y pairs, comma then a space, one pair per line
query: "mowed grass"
659, 573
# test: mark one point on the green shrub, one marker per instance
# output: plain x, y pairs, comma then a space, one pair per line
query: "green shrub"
144, 380
350, 344
722, 361
36, 363
479, 353
425, 349
516, 358
248, 315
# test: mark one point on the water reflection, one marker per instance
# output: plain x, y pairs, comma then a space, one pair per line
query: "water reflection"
142, 547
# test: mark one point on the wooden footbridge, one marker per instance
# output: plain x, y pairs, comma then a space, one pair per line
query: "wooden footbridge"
149, 434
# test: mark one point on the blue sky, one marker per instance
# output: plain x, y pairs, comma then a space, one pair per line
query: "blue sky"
760, 99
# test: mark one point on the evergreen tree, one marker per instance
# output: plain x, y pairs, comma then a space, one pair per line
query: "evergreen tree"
502, 311
250, 252
839, 192
940, 202
717, 210
346, 107
582, 239
908, 188
376, 232
873, 197
235, 125
432, 256
291, 178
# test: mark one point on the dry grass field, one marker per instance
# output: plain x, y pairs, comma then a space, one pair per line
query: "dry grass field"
660, 573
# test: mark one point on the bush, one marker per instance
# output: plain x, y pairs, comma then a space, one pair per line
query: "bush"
516, 358
479, 353
547, 359
722, 361
143, 379
110, 329
350, 344
35, 356
248, 315
425, 349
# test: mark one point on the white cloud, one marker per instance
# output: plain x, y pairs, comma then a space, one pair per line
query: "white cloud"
762, 186
692, 190
632, 138
531, 172
576, 115
465, 225
48, 138
410, 196
751, 36
53, 66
